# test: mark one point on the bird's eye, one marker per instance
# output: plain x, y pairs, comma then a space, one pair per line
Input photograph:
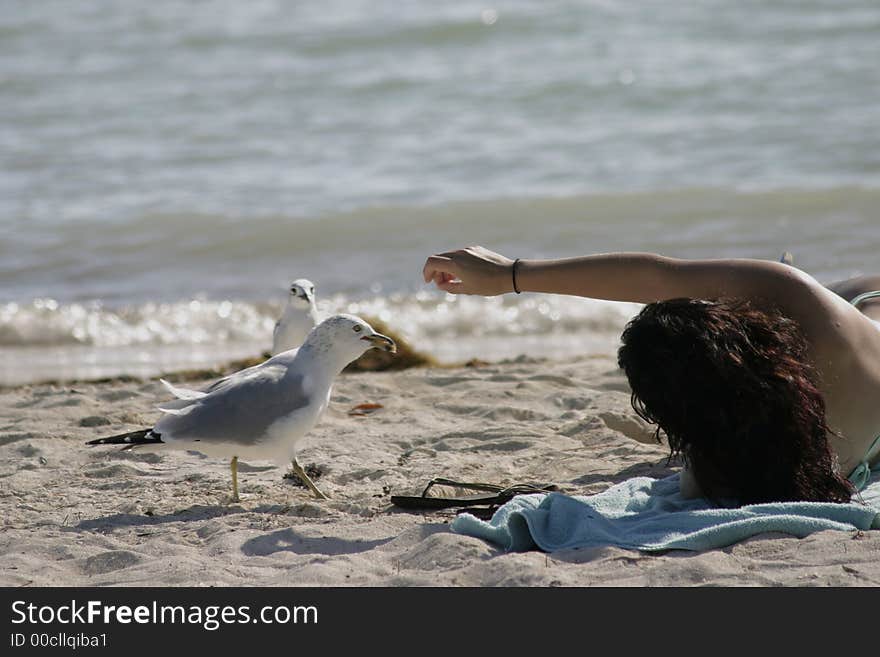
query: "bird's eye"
357, 329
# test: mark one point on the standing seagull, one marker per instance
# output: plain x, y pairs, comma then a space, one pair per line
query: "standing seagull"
299, 317
262, 411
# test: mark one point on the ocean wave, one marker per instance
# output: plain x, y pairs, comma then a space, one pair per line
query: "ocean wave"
424, 318
45, 339
46, 322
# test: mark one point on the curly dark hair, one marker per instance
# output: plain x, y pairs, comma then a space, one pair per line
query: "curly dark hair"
733, 389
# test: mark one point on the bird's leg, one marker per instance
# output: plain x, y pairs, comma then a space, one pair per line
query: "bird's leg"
233, 467
298, 470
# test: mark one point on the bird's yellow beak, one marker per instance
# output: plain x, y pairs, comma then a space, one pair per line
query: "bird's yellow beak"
379, 341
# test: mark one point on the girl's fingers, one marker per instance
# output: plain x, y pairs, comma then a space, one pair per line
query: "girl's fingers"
438, 264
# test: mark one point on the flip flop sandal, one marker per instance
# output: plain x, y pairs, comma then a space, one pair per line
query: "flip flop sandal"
493, 496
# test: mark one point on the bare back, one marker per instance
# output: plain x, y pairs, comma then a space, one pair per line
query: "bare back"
847, 356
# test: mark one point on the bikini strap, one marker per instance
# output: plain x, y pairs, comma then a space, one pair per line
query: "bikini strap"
861, 474
864, 296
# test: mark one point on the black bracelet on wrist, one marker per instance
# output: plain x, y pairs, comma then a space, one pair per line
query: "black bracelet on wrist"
513, 274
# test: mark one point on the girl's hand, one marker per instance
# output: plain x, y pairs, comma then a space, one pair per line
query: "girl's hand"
473, 270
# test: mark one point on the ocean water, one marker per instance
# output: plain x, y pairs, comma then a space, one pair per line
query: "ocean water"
167, 168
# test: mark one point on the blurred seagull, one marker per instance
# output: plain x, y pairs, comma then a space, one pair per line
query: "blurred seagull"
262, 411
299, 317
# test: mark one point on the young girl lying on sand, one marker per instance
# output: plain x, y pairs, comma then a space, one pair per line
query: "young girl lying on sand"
766, 383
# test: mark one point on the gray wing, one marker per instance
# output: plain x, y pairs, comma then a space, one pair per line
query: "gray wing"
240, 412
284, 359
232, 378
186, 397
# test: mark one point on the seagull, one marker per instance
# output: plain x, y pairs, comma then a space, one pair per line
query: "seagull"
265, 410
299, 317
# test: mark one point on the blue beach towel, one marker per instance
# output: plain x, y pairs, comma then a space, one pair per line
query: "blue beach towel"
651, 515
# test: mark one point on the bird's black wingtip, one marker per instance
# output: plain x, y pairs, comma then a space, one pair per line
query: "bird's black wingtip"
132, 438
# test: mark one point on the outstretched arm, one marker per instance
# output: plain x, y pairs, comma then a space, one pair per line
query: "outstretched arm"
638, 277
641, 278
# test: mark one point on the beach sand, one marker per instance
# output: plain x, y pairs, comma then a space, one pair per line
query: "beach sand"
76, 515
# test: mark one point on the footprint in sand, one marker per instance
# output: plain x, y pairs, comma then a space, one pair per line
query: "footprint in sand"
443, 381
70, 401
630, 426
10, 438
117, 395
494, 412
107, 562
28, 450
552, 378
364, 474
461, 444
116, 470
583, 426
503, 378
572, 403
132, 455
446, 552
95, 421
614, 380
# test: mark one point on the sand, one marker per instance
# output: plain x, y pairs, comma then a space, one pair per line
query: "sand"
76, 515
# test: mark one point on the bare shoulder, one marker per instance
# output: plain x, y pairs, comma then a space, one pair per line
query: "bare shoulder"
845, 343
836, 331
830, 322
827, 316
823, 315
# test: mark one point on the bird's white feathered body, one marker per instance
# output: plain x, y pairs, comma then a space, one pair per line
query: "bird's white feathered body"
261, 412
264, 411
299, 317
279, 439
293, 326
